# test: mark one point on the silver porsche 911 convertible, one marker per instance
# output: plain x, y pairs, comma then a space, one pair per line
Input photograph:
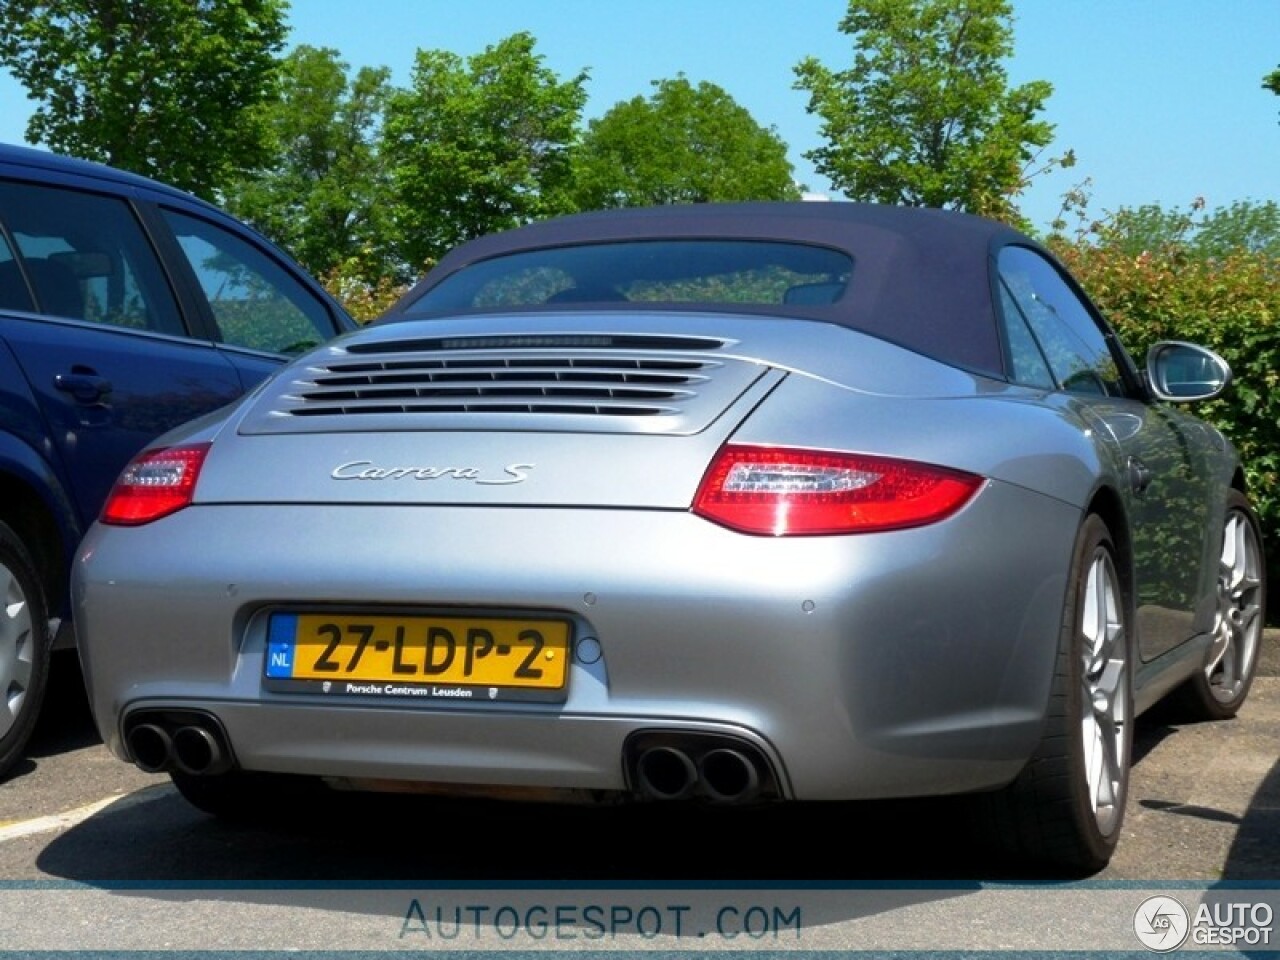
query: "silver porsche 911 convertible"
719, 504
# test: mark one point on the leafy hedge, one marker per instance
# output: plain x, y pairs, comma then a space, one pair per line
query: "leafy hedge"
1230, 304
364, 299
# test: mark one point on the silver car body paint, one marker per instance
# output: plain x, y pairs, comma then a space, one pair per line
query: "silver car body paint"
909, 662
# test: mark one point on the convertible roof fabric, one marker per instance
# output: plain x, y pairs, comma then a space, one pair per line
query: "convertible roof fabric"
923, 278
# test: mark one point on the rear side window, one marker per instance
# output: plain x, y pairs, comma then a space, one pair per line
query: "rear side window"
1071, 342
672, 271
1027, 365
84, 256
257, 304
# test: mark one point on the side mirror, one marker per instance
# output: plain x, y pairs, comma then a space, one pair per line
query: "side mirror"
1183, 372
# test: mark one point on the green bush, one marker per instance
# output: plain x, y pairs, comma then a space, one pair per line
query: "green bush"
1229, 303
362, 292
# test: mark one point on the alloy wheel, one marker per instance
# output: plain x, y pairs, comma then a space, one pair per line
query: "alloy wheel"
16, 648
1238, 624
1104, 705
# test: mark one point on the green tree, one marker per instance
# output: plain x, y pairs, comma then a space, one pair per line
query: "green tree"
1272, 82
925, 116
478, 145
1192, 233
1243, 226
684, 144
323, 196
166, 88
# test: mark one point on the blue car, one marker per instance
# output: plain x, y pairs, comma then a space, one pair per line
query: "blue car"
126, 308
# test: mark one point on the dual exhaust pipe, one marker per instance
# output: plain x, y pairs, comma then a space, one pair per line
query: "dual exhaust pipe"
663, 768
193, 744
727, 773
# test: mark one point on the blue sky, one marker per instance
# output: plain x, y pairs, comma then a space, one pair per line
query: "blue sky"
1161, 100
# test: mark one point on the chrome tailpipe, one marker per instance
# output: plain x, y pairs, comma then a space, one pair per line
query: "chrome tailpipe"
151, 747
674, 765
665, 773
185, 741
728, 776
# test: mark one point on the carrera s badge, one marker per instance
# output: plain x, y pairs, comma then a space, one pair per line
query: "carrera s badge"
368, 470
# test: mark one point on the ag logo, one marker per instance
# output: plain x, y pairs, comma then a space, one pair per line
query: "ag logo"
1162, 924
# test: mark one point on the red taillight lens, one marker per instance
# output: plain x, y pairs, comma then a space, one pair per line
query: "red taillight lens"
781, 492
156, 484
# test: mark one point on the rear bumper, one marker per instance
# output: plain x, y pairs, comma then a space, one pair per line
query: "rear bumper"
907, 663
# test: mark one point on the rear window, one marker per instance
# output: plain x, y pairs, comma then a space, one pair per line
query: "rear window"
648, 272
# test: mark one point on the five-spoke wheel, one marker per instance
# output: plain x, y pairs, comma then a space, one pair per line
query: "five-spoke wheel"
1219, 690
24, 647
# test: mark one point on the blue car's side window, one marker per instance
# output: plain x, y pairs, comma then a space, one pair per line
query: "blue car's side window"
85, 257
255, 302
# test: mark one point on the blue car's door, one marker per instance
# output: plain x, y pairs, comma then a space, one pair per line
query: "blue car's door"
105, 393
94, 324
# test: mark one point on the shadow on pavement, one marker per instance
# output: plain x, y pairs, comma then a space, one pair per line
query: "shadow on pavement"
389, 838
65, 723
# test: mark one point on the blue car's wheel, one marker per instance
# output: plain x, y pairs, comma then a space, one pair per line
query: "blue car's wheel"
24, 648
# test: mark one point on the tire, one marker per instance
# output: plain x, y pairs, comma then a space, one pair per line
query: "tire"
25, 646
1219, 688
1066, 807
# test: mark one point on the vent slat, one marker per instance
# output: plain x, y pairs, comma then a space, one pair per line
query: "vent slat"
551, 341
590, 384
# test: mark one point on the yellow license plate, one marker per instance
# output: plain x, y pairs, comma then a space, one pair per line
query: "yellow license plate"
427, 652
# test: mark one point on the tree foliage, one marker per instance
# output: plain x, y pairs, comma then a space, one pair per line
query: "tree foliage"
683, 144
925, 115
167, 88
323, 197
1243, 227
1272, 82
478, 145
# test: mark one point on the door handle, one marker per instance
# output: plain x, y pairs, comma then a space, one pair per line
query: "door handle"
85, 387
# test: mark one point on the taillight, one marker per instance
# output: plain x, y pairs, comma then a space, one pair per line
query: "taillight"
156, 484
780, 492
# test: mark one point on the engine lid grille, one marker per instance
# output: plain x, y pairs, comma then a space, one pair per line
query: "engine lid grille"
642, 384
603, 386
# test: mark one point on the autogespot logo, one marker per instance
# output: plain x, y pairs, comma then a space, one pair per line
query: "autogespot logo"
1162, 924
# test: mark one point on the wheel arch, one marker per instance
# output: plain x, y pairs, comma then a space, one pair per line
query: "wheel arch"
1239, 481
41, 515
1109, 507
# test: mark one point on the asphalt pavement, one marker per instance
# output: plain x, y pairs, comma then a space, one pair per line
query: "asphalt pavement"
1204, 804
1204, 798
